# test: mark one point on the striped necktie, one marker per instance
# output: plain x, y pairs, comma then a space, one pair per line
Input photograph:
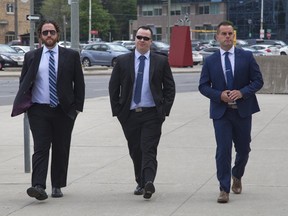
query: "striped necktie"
139, 81
52, 81
228, 72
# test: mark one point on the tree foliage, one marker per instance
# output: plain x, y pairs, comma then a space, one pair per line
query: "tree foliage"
109, 18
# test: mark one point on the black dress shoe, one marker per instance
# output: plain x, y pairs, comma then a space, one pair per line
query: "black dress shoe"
149, 189
37, 192
56, 192
138, 190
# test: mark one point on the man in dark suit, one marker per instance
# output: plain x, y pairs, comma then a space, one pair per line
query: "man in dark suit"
230, 78
52, 91
142, 92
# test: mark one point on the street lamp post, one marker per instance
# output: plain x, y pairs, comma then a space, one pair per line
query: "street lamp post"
261, 20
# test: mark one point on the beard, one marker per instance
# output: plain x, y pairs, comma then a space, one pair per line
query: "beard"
49, 41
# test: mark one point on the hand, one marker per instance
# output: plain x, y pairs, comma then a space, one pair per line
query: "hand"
235, 95
225, 96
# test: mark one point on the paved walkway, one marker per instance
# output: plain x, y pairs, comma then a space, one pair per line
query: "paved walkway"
100, 178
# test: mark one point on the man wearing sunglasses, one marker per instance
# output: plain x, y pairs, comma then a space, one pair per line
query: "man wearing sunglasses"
230, 78
51, 91
142, 92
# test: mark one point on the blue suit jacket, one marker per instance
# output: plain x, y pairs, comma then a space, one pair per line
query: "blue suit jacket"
247, 78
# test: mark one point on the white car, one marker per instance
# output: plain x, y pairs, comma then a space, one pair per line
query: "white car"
267, 49
20, 48
63, 44
284, 50
197, 57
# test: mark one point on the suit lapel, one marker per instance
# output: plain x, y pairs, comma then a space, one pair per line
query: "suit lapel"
61, 60
132, 66
152, 66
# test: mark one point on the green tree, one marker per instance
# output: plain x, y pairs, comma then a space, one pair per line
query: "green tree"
56, 10
100, 20
122, 11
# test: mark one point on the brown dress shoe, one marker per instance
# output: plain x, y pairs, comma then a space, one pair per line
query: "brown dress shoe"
236, 185
223, 197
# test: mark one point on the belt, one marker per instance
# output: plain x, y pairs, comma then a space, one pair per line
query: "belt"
141, 109
232, 106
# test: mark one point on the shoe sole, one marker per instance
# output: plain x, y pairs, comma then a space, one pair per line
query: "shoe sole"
149, 190
33, 192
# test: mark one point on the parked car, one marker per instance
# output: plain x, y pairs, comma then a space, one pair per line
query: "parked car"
126, 43
267, 49
102, 53
284, 50
254, 51
208, 51
160, 47
10, 57
277, 43
196, 56
21, 49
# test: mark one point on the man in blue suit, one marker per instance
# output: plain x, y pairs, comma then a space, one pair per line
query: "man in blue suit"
230, 78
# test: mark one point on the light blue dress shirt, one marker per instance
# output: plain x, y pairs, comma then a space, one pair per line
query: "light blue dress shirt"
146, 95
40, 91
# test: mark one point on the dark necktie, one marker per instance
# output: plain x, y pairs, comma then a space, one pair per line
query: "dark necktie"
52, 81
228, 72
139, 81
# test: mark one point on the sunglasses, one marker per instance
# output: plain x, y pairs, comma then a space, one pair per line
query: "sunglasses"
52, 32
143, 37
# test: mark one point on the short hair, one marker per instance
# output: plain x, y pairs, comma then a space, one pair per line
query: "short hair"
39, 29
146, 28
224, 23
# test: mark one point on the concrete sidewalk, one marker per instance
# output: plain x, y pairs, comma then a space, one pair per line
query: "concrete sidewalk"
100, 178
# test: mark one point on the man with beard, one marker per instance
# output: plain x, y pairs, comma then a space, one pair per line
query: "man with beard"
52, 92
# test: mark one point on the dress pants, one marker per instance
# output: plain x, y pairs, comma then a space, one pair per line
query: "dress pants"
231, 128
50, 127
142, 131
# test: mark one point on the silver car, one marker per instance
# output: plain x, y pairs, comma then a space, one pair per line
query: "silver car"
102, 53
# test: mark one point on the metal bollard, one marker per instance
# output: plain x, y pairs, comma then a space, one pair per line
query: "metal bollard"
26, 144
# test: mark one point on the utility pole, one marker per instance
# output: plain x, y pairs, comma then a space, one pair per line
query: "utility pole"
75, 25
261, 20
90, 20
169, 21
16, 18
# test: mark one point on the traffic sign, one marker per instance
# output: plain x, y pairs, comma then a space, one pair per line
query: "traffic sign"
32, 17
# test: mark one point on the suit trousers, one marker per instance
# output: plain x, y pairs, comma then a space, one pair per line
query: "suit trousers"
142, 131
231, 128
50, 127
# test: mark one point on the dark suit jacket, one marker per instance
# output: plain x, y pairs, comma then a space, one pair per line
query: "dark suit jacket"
247, 78
70, 82
161, 81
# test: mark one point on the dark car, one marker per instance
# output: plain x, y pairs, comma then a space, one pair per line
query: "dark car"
10, 57
102, 53
160, 47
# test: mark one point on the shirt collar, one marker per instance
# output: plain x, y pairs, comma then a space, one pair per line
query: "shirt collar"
232, 50
54, 49
137, 54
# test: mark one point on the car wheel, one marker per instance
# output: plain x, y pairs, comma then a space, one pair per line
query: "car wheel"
86, 62
1, 66
283, 53
114, 62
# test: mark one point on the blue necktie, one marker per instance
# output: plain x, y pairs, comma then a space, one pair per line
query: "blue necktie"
139, 81
52, 81
228, 72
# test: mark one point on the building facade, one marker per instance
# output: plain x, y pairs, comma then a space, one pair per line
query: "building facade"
204, 15
13, 23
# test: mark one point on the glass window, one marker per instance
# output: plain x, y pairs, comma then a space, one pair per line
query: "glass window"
10, 8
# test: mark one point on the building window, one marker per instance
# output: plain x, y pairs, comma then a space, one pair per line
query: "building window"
157, 11
158, 34
185, 10
10, 8
175, 10
214, 9
203, 9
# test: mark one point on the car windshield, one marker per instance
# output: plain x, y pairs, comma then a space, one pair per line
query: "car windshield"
118, 48
7, 49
